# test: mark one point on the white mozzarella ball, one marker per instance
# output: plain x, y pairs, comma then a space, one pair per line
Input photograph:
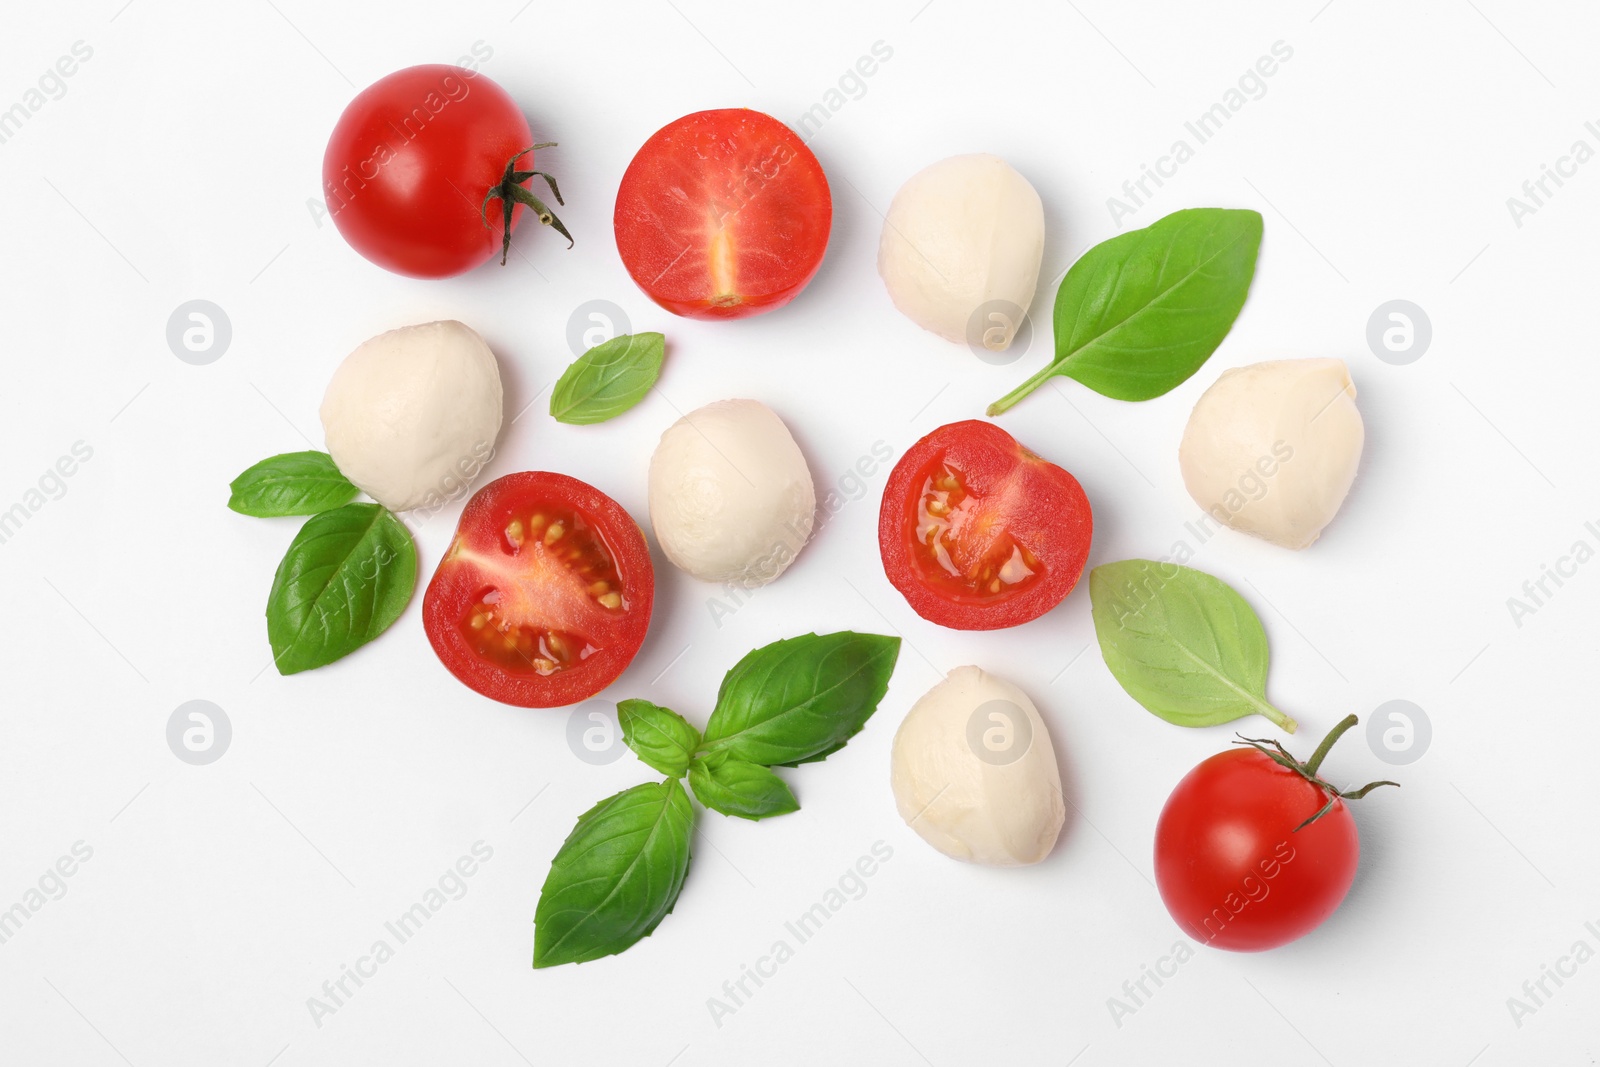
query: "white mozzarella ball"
974, 773
731, 498
961, 249
411, 416
1272, 449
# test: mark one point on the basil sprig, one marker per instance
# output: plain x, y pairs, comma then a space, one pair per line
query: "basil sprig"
608, 379
294, 483
349, 572
619, 872
346, 578
1138, 314
1182, 643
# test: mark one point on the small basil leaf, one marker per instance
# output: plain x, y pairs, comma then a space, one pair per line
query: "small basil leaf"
745, 790
659, 737
608, 379
346, 578
1138, 314
1182, 643
616, 876
801, 699
295, 483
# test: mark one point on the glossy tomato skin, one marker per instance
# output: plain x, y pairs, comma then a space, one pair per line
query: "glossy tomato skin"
410, 162
536, 590
723, 214
1232, 869
1011, 520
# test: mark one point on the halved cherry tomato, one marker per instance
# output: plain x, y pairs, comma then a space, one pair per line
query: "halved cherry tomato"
544, 596
978, 533
723, 214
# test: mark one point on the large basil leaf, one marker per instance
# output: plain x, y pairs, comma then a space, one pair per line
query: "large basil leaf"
735, 787
346, 578
295, 483
616, 876
1182, 643
608, 379
800, 699
658, 736
1138, 314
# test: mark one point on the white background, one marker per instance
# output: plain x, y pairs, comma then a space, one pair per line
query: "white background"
178, 165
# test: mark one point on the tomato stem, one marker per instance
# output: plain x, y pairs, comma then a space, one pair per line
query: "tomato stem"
1308, 770
510, 192
1328, 742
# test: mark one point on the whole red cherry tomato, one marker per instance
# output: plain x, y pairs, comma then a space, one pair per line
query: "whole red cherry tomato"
1254, 849
418, 161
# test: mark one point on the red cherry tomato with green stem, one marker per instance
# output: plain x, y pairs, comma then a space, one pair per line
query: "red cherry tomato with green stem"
1254, 849
427, 171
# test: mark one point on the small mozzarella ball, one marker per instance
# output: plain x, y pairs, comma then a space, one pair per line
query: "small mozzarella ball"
1271, 449
974, 772
961, 249
411, 416
731, 498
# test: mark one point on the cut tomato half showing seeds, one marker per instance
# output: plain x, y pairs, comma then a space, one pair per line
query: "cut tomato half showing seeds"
723, 214
979, 533
544, 596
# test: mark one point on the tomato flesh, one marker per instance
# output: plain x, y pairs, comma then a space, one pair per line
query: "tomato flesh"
554, 552
545, 594
410, 161
979, 533
1233, 870
723, 214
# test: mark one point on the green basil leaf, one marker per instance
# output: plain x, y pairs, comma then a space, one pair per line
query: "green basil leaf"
295, 483
346, 578
801, 699
608, 379
617, 875
1182, 643
1138, 314
658, 736
734, 787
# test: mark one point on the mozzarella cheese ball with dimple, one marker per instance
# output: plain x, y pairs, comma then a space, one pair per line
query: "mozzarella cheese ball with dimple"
974, 773
411, 416
731, 498
1271, 449
961, 249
